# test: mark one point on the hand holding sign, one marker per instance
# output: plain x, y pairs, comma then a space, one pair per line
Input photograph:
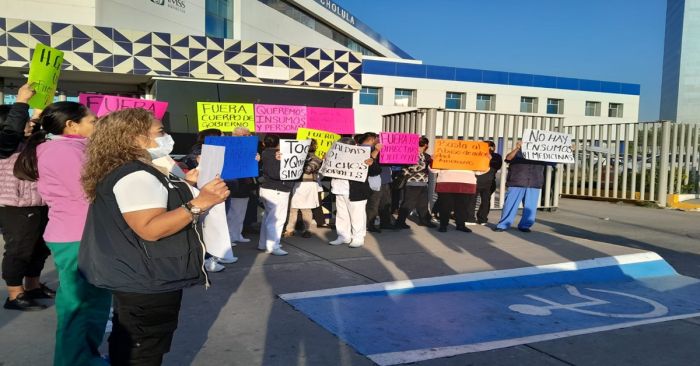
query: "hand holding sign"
293, 155
43, 74
461, 155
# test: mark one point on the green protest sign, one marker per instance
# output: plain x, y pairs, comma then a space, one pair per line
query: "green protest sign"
43, 74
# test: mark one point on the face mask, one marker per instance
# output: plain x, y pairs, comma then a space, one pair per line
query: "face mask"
165, 147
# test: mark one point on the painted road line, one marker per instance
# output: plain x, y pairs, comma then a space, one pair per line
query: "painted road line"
403, 322
658, 268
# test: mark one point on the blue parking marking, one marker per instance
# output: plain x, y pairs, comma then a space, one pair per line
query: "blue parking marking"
442, 317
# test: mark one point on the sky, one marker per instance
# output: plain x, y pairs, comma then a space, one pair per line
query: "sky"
611, 40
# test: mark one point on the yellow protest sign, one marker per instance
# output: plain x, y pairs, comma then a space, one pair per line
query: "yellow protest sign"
225, 116
461, 155
324, 140
43, 74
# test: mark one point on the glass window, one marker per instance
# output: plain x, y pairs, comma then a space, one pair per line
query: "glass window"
455, 100
615, 110
555, 106
528, 105
485, 102
370, 95
405, 98
219, 18
593, 109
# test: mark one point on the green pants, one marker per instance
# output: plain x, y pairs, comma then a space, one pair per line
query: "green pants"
82, 311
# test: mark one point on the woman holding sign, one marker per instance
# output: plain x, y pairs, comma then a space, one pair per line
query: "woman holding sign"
274, 193
416, 190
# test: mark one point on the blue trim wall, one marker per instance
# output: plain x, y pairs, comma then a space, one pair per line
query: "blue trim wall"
401, 69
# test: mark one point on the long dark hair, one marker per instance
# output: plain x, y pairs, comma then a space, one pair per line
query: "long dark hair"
53, 121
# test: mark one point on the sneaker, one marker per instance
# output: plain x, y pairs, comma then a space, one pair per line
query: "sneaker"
226, 261
211, 265
470, 223
278, 252
339, 241
482, 223
464, 229
498, 229
42, 292
23, 303
306, 235
356, 244
525, 230
242, 240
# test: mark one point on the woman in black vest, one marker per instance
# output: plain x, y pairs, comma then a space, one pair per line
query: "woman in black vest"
142, 238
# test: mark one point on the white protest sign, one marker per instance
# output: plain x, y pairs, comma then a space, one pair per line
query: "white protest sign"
540, 145
211, 163
293, 156
346, 162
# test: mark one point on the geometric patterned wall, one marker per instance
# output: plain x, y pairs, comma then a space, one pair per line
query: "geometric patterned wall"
109, 50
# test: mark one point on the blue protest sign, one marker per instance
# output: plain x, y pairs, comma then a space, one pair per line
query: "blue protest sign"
239, 157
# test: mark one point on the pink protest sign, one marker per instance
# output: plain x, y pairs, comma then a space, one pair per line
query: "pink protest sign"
398, 148
92, 101
279, 118
112, 104
336, 120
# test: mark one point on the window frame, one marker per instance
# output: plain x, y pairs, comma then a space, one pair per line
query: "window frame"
491, 102
533, 104
411, 100
619, 110
378, 94
560, 106
462, 98
596, 109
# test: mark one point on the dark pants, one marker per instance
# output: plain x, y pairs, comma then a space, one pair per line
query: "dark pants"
318, 214
482, 215
143, 327
453, 202
379, 203
25, 249
414, 198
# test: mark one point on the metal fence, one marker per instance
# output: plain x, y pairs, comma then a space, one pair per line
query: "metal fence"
627, 161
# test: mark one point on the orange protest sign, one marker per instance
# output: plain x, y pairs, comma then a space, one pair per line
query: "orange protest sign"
461, 155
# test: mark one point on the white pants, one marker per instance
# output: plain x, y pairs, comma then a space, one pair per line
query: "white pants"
276, 204
235, 216
351, 219
216, 232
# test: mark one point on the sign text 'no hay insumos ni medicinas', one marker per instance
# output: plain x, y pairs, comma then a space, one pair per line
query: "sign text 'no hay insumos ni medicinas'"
44, 71
399, 148
324, 139
270, 118
346, 162
541, 145
461, 155
225, 116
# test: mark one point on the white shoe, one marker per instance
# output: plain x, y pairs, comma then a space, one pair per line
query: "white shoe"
233, 244
226, 261
483, 224
211, 265
356, 244
243, 240
470, 223
339, 241
277, 251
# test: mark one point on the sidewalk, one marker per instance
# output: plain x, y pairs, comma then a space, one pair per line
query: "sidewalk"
241, 321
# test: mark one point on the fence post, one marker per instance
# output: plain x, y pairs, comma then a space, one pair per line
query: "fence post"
663, 164
430, 127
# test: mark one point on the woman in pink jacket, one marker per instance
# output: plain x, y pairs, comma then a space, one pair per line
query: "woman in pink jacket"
54, 158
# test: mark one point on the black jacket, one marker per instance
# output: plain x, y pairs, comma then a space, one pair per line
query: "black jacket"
525, 173
360, 191
487, 180
271, 172
112, 256
12, 130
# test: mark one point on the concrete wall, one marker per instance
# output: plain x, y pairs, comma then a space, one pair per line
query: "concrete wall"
431, 94
60, 11
172, 16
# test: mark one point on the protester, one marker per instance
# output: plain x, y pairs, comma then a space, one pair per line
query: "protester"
371, 139
456, 189
141, 237
237, 205
274, 193
305, 195
351, 205
524, 182
485, 186
415, 192
23, 214
191, 159
53, 157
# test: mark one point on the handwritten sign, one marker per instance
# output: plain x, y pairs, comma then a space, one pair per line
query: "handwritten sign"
44, 70
346, 162
239, 157
293, 156
336, 120
548, 146
111, 104
92, 101
211, 163
461, 155
324, 140
225, 116
399, 148
279, 118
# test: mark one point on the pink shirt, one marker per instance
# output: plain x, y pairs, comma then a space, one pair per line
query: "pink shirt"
60, 162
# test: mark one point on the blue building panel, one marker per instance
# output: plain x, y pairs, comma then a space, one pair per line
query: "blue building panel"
433, 72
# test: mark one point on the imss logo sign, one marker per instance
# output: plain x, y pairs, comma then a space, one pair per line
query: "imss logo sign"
178, 5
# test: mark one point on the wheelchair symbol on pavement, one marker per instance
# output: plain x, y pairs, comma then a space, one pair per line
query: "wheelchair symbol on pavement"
544, 310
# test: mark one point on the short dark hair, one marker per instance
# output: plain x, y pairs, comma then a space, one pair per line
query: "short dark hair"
491, 144
423, 141
365, 136
271, 141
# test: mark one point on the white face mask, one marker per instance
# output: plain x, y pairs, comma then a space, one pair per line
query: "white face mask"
165, 147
